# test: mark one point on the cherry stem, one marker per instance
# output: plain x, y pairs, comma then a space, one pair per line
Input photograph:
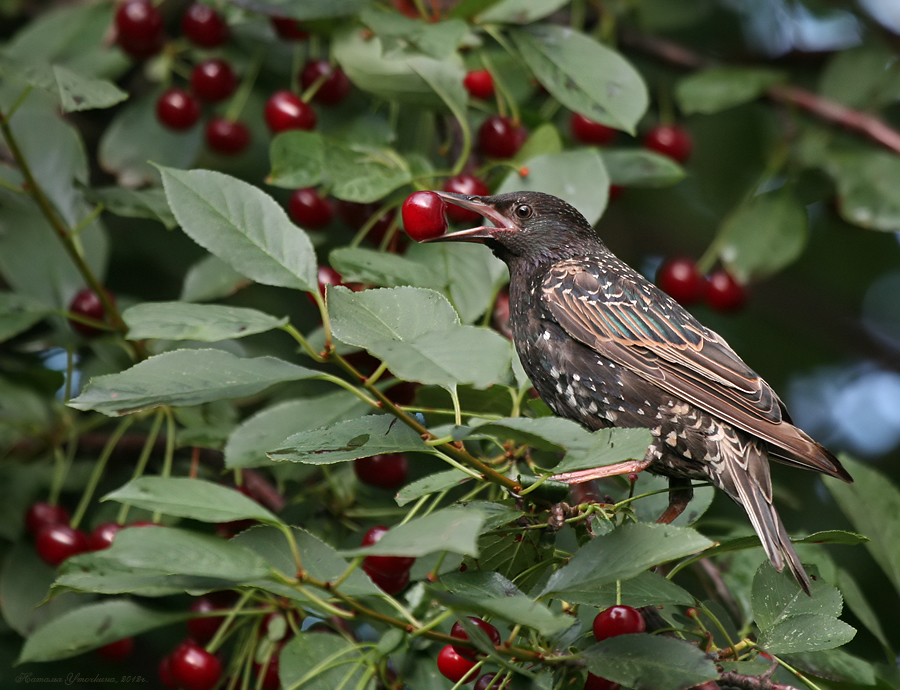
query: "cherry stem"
236, 107
226, 623
144, 457
97, 472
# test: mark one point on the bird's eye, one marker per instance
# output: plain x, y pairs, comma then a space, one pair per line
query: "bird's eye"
523, 211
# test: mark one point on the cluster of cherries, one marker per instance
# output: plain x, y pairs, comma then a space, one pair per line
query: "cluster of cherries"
390, 573
679, 278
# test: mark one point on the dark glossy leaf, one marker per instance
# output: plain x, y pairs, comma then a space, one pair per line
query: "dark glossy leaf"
836, 664
134, 203
355, 438
18, 313
776, 596
317, 661
91, 626
72, 90
622, 554
872, 504
805, 632
303, 9
209, 279
450, 529
578, 177
241, 225
858, 603
439, 481
650, 661
398, 33
866, 196
364, 174
584, 75
268, 428
862, 77
647, 589
185, 377
197, 499
641, 168
519, 11
203, 322
157, 560
524, 557
297, 159
718, 88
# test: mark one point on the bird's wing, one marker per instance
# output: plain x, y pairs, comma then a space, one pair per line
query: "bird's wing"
653, 337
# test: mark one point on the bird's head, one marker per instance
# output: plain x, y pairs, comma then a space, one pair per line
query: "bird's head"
525, 224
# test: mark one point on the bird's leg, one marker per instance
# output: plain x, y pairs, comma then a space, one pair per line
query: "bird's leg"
579, 476
680, 494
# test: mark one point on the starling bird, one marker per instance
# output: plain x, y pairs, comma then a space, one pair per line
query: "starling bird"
605, 347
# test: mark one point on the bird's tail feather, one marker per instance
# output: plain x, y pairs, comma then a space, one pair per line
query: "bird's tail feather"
744, 475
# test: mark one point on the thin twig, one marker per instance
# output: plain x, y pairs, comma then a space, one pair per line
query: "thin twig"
742, 682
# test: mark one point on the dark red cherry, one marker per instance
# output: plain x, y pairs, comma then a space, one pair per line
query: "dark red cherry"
459, 632
204, 26
392, 566
139, 29
386, 471
40, 514
325, 276
227, 137
724, 293
479, 83
679, 278
177, 109
470, 186
289, 29
423, 216
270, 680
118, 650
498, 137
55, 543
587, 131
615, 191
452, 666
284, 110
165, 673
204, 628
489, 681
597, 683
335, 86
500, 314
389, 584
618, 620
213, 80
87, 303
669, 140
309, 210
193, 668
103, 535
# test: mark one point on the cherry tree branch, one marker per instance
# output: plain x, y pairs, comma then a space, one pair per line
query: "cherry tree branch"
733, 679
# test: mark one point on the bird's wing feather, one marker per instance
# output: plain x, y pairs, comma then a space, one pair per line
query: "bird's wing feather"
635, 328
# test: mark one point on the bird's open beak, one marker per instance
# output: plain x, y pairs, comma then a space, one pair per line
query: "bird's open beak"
482, 232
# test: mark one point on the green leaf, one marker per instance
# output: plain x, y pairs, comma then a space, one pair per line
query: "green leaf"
398, 33
297, 159
524, 557
156, 561
313, 661
439, 481
519, 11
349, 440
835, 665
358, 264
304, 9
862, 77
718, 88
204, 322
864, 180
578, 177
488, 592
650, 661
79, 92
805, 632
94, 625
544, 140
268, 428
364, 174
649, 508
762, 236
872, 504
777, 596
18, 313
647, 589
197, 499
858, 603
209, 279
185, 377
622, 554
584, 75
134, 203
241, 225
450, 529
640, 168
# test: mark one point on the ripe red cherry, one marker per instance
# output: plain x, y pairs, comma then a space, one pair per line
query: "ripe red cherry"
177, 109
284, 110
389, 584
498, 137
165, 673
587, 131
386, 471
480, 84
470, 186
615, 191
423, 216
325, 276
597, 683
139, 29
459, 632
452, 665
335, 86
87, 303
669, 140
213, 80
40, 514
118, 650
309, 210
228, 137
193, 668
488, 681
203, 629
288, 29
679, 279
724, 293
392, 566
204, 26
56, 543
618, 620
103, 535
270, 681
